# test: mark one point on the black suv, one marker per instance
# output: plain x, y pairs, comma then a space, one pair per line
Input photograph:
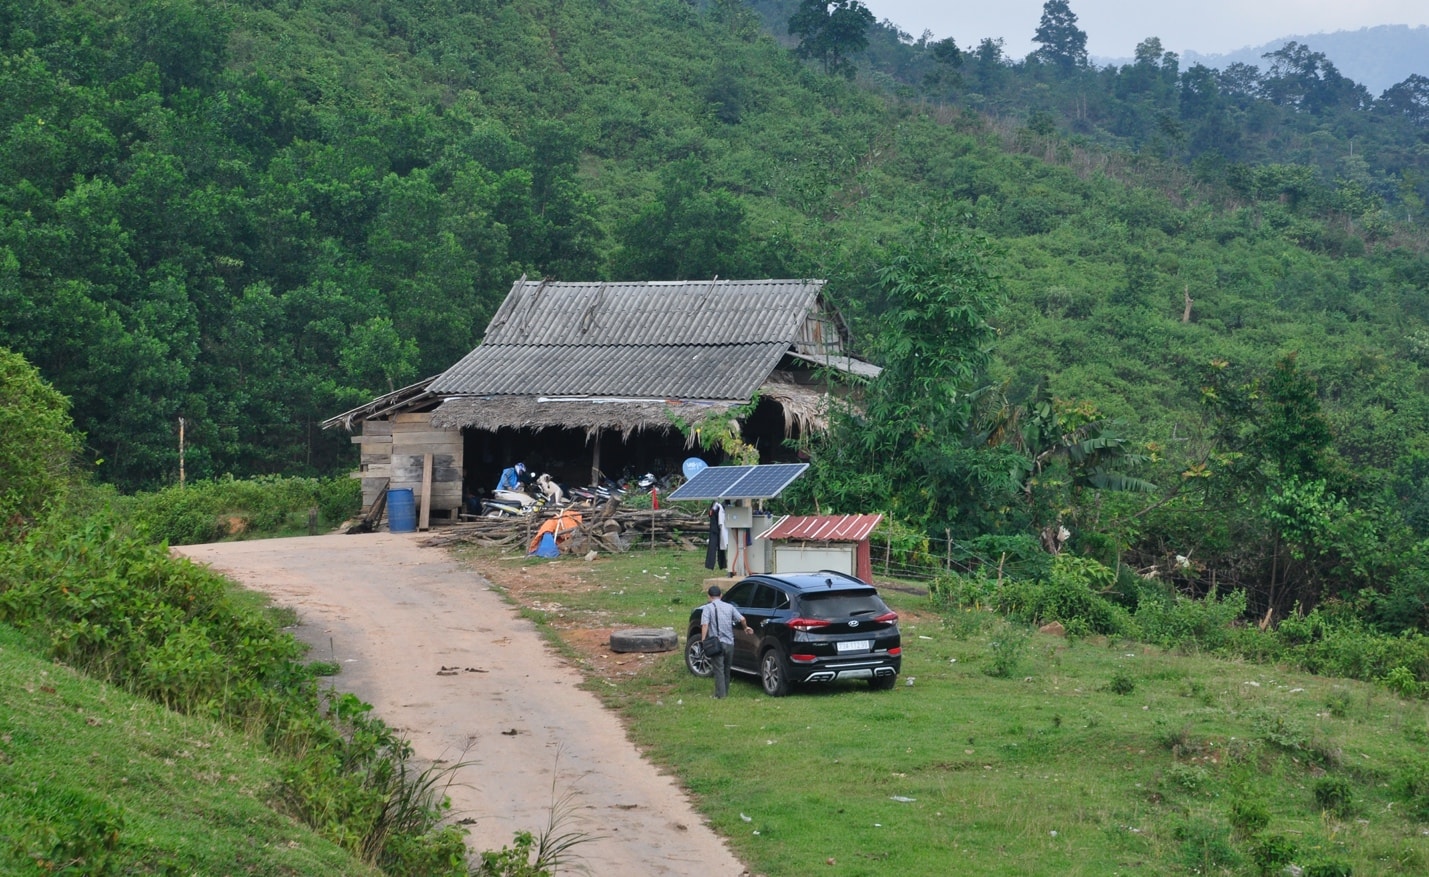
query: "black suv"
808, 627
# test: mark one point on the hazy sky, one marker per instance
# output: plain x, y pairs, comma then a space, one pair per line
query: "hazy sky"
1114, 27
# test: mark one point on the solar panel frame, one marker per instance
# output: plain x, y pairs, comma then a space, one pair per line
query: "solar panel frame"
766, 482
709, 483
739, 482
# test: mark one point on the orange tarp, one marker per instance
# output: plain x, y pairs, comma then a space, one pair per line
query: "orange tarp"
560, 527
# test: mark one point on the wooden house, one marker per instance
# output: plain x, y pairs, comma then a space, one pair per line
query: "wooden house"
588, 379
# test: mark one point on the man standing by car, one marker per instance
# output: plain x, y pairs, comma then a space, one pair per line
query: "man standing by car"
718, 620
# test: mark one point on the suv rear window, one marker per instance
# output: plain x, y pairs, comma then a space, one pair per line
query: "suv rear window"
827, 607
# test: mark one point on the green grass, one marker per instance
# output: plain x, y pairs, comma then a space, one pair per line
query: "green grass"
1071, 757
94, 781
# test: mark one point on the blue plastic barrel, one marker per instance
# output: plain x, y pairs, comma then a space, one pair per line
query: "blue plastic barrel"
401, 511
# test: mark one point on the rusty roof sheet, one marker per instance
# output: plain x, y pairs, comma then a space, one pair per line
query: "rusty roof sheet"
823, 528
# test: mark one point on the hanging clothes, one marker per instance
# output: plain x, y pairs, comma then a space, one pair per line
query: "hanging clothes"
715, 554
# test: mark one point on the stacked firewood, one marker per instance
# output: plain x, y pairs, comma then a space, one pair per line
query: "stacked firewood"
608, 528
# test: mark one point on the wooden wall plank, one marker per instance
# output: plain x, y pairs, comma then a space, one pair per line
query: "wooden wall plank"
450, 439
414, 475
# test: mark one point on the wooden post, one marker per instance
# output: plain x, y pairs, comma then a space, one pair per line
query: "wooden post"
595, 462
424, 522
181, 452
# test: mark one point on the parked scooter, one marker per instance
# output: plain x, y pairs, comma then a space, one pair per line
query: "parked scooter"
511, 504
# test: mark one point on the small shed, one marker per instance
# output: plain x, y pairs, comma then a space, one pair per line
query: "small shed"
836, 542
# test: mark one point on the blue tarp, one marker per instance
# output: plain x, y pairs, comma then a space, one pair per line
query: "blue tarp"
546, 547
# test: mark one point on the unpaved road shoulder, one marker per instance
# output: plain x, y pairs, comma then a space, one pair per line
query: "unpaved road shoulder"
394, 614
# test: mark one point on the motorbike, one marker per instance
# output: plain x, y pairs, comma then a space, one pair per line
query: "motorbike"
512, 504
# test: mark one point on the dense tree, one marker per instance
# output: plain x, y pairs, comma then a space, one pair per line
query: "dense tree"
686, 232
831, 32
1308, 81
322, 201
1060, 42
911, 446
1408, 99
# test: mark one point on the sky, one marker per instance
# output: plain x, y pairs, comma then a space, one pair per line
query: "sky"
1114, 27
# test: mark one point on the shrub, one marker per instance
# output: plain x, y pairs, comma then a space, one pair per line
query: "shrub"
1350, 649
1181, 621
1249, 815
1013, 556
207, 511
37, 444
1204, 847
1279, 731
1121, 683
974, 591
1334, 795
1007, 648
1271, 853
1070, 594
1402, 682
1412, 787
902, 547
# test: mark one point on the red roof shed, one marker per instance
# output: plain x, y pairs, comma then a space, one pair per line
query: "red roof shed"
831, 528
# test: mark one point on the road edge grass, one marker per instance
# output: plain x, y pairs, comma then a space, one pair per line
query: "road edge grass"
95, 780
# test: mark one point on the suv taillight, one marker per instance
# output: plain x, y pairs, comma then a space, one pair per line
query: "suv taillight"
887, 617
807, 624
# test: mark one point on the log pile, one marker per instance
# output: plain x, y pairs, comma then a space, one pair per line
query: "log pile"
609, 528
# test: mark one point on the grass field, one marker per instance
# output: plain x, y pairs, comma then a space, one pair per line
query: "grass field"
94, 781
1008, 752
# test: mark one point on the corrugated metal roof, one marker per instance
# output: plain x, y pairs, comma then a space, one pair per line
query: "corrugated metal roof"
593, 415
732, 371
683, 312
823, 528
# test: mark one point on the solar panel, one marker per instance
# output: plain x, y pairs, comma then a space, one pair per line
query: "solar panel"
766, 482
710, 483
739, 482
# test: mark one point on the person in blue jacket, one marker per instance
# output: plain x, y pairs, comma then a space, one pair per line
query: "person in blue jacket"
511, 477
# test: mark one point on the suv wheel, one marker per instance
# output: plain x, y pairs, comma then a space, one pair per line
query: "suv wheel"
774, 673
695, 659
882, 683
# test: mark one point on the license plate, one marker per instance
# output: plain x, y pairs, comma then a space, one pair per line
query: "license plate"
853, 645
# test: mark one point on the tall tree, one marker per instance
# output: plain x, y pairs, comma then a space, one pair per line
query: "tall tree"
1062, 43
910, 448
831, 32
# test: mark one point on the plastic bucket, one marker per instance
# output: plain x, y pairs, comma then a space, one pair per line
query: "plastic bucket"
401, 511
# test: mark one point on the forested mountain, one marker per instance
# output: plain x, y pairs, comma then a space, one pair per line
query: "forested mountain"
1376, 57
252, 215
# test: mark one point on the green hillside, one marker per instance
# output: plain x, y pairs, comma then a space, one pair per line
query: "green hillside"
100, 782
1204, 291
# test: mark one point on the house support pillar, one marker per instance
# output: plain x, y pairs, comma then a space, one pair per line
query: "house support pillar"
595, 462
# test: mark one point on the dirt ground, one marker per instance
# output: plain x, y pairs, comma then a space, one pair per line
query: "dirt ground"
446, 660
